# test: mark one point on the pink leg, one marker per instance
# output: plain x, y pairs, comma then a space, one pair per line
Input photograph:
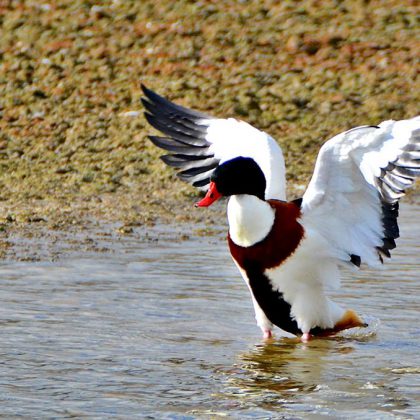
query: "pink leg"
306, 337
267, 334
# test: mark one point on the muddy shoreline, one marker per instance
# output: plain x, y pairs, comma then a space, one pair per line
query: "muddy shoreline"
43, 240
74, 151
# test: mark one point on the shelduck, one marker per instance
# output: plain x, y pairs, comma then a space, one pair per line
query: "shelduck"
291, 253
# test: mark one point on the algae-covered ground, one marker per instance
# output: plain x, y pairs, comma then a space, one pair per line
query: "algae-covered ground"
73, 139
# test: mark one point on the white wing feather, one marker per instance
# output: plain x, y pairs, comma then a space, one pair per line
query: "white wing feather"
357, 173
231, 138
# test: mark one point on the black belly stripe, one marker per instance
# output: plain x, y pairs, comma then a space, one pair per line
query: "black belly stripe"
276, 309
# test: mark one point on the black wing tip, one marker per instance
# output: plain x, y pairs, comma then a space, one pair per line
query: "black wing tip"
145, 89
197, 170
391, 231
355, 260
166, 106
201, 183
151, 119
171, 161
152, 98
158, 141
390, 213
389, 243
186, 137
146, 103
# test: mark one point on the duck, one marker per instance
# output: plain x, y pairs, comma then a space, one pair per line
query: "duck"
292, 253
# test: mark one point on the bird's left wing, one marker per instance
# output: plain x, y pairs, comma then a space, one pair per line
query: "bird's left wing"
352, 198
197, 143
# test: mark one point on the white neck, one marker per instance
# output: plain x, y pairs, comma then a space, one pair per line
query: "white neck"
250, 219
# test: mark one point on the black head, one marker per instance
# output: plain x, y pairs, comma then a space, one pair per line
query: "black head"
236, 176
241, 175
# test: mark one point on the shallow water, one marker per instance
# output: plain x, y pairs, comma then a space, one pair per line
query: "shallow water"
164, 328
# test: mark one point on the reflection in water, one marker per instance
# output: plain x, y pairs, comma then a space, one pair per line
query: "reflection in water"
291, 376
285, 366
156, 328
278, 373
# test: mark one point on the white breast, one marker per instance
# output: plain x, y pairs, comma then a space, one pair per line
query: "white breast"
250, 219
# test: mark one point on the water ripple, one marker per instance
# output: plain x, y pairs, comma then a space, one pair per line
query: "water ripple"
165, 329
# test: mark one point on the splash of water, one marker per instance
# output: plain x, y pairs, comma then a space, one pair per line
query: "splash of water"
363, 332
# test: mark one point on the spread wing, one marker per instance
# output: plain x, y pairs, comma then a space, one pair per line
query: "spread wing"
352, 198
197, 143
